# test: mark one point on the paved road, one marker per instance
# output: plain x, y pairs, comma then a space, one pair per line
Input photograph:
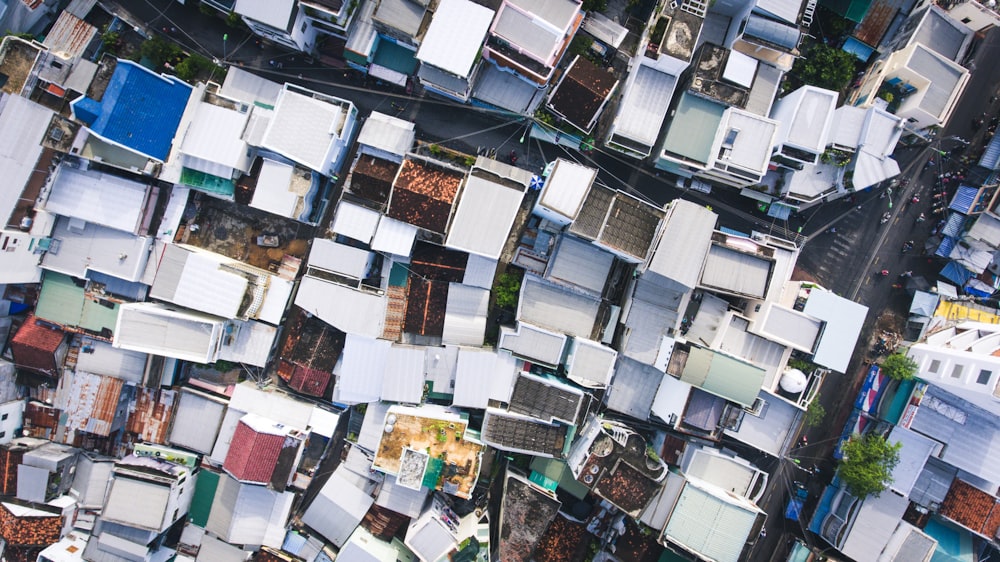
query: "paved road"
842, 261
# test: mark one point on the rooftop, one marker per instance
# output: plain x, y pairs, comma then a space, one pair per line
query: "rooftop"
681, 35
545, 399
312, 348
485, 214
972, 508
582, 92
372, 178
137, 96
521, 434
309, 128
525, 513
453, 461
423, 194
692, 131
723, 75
619, 222
643, 107
455, 36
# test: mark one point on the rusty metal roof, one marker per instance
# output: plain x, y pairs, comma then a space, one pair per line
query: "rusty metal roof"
69, 35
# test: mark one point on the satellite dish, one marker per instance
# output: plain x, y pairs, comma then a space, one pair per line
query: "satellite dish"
793, 381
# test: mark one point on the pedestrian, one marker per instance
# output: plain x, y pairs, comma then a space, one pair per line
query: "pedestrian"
763, 533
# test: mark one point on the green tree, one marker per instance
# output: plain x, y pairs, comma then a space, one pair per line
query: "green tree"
825, 67
189, 68
815, 413
159, 51
506, 290
595, 5
866, 468
899, 366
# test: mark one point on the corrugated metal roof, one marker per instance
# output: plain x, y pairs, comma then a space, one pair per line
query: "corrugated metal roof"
944, 75
963, 201
644, 105
404, 375
455, 35
343, 308
634, 388
527, 32
91, 402
361, 370
550, 306
532, 342
97, 197
774, 32
874, 523
102, 358
23, 124
394, 237
64, 302
248, 87
401, 499
580, 263
355, 221
150, 513
991, 156
337, 509
590, 364
371, 428
566, 188
402, 15
201, 283
914, 453
275, 13
483, 375
272, 404
197, 421
152, 328
722, 375
90, 484
384, 132
69, 35
340, 258
706, 522
949, 419
306, 129
740, 272
215, 550
465, 317
214, 141
479, 272
684, 244
485, 214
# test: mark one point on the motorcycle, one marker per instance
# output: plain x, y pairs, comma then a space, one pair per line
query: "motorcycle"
885, 217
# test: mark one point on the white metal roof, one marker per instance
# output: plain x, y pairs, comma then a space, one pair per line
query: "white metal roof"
105, 359
711, 523
252, 341
590, 364
275, 13
339, 258
152, 328
605, 29
684, 244
844, 319
404, 375
790, 327
455, 35
533, 342
566, 188
121, 505
634, 388
580, 263
305, 129
741, 272
740, 69
391, 134
215, 135
23, 124
479, 271
483, 375
873, 525
272, 193
248, 87
90, 247
787, 10
337, 509
371, 427
394, 237
915, 451
527, 32
355, 222
484, 217
272, 404
196, 280
465, 315
546, 304
196, 421
348, 310
362, 369
811, 120
751, 150
644, 105
96, 197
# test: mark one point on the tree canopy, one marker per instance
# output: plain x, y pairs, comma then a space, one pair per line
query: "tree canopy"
866, 468
825, 67
899, 366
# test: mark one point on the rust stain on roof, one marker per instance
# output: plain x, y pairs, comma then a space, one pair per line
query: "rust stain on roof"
69, 35
582, 92
372, 178
436, 182
876, 22
150, 414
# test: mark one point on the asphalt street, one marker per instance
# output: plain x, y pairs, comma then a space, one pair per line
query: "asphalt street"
844, 241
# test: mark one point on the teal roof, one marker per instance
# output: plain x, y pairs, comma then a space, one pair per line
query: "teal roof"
723, 375
63, 301
207, 182
853, 10
395, 57
204, 495
691, 132
558, 471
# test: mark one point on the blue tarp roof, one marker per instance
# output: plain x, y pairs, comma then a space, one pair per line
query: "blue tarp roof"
964, 198
779, 211
139, 110
727, 230
956, 273
858, 49
945, 247
954, 225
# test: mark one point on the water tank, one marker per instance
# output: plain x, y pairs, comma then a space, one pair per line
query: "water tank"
793, 381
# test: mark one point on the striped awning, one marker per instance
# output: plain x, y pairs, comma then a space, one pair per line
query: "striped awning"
954, 225
991, 156
964, 199
779, 211
956, 273
946, 246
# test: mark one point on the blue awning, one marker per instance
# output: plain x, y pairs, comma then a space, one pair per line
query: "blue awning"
727, 230
956, 273
954, 225
780, 211
945, 247
858, 49
964, 199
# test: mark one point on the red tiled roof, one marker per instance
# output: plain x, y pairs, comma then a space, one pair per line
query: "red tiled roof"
308, 381
426, 303
438, 183
31, 530
582, 91
253, 455
372, 178
34, 346
420, 210
972, 508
